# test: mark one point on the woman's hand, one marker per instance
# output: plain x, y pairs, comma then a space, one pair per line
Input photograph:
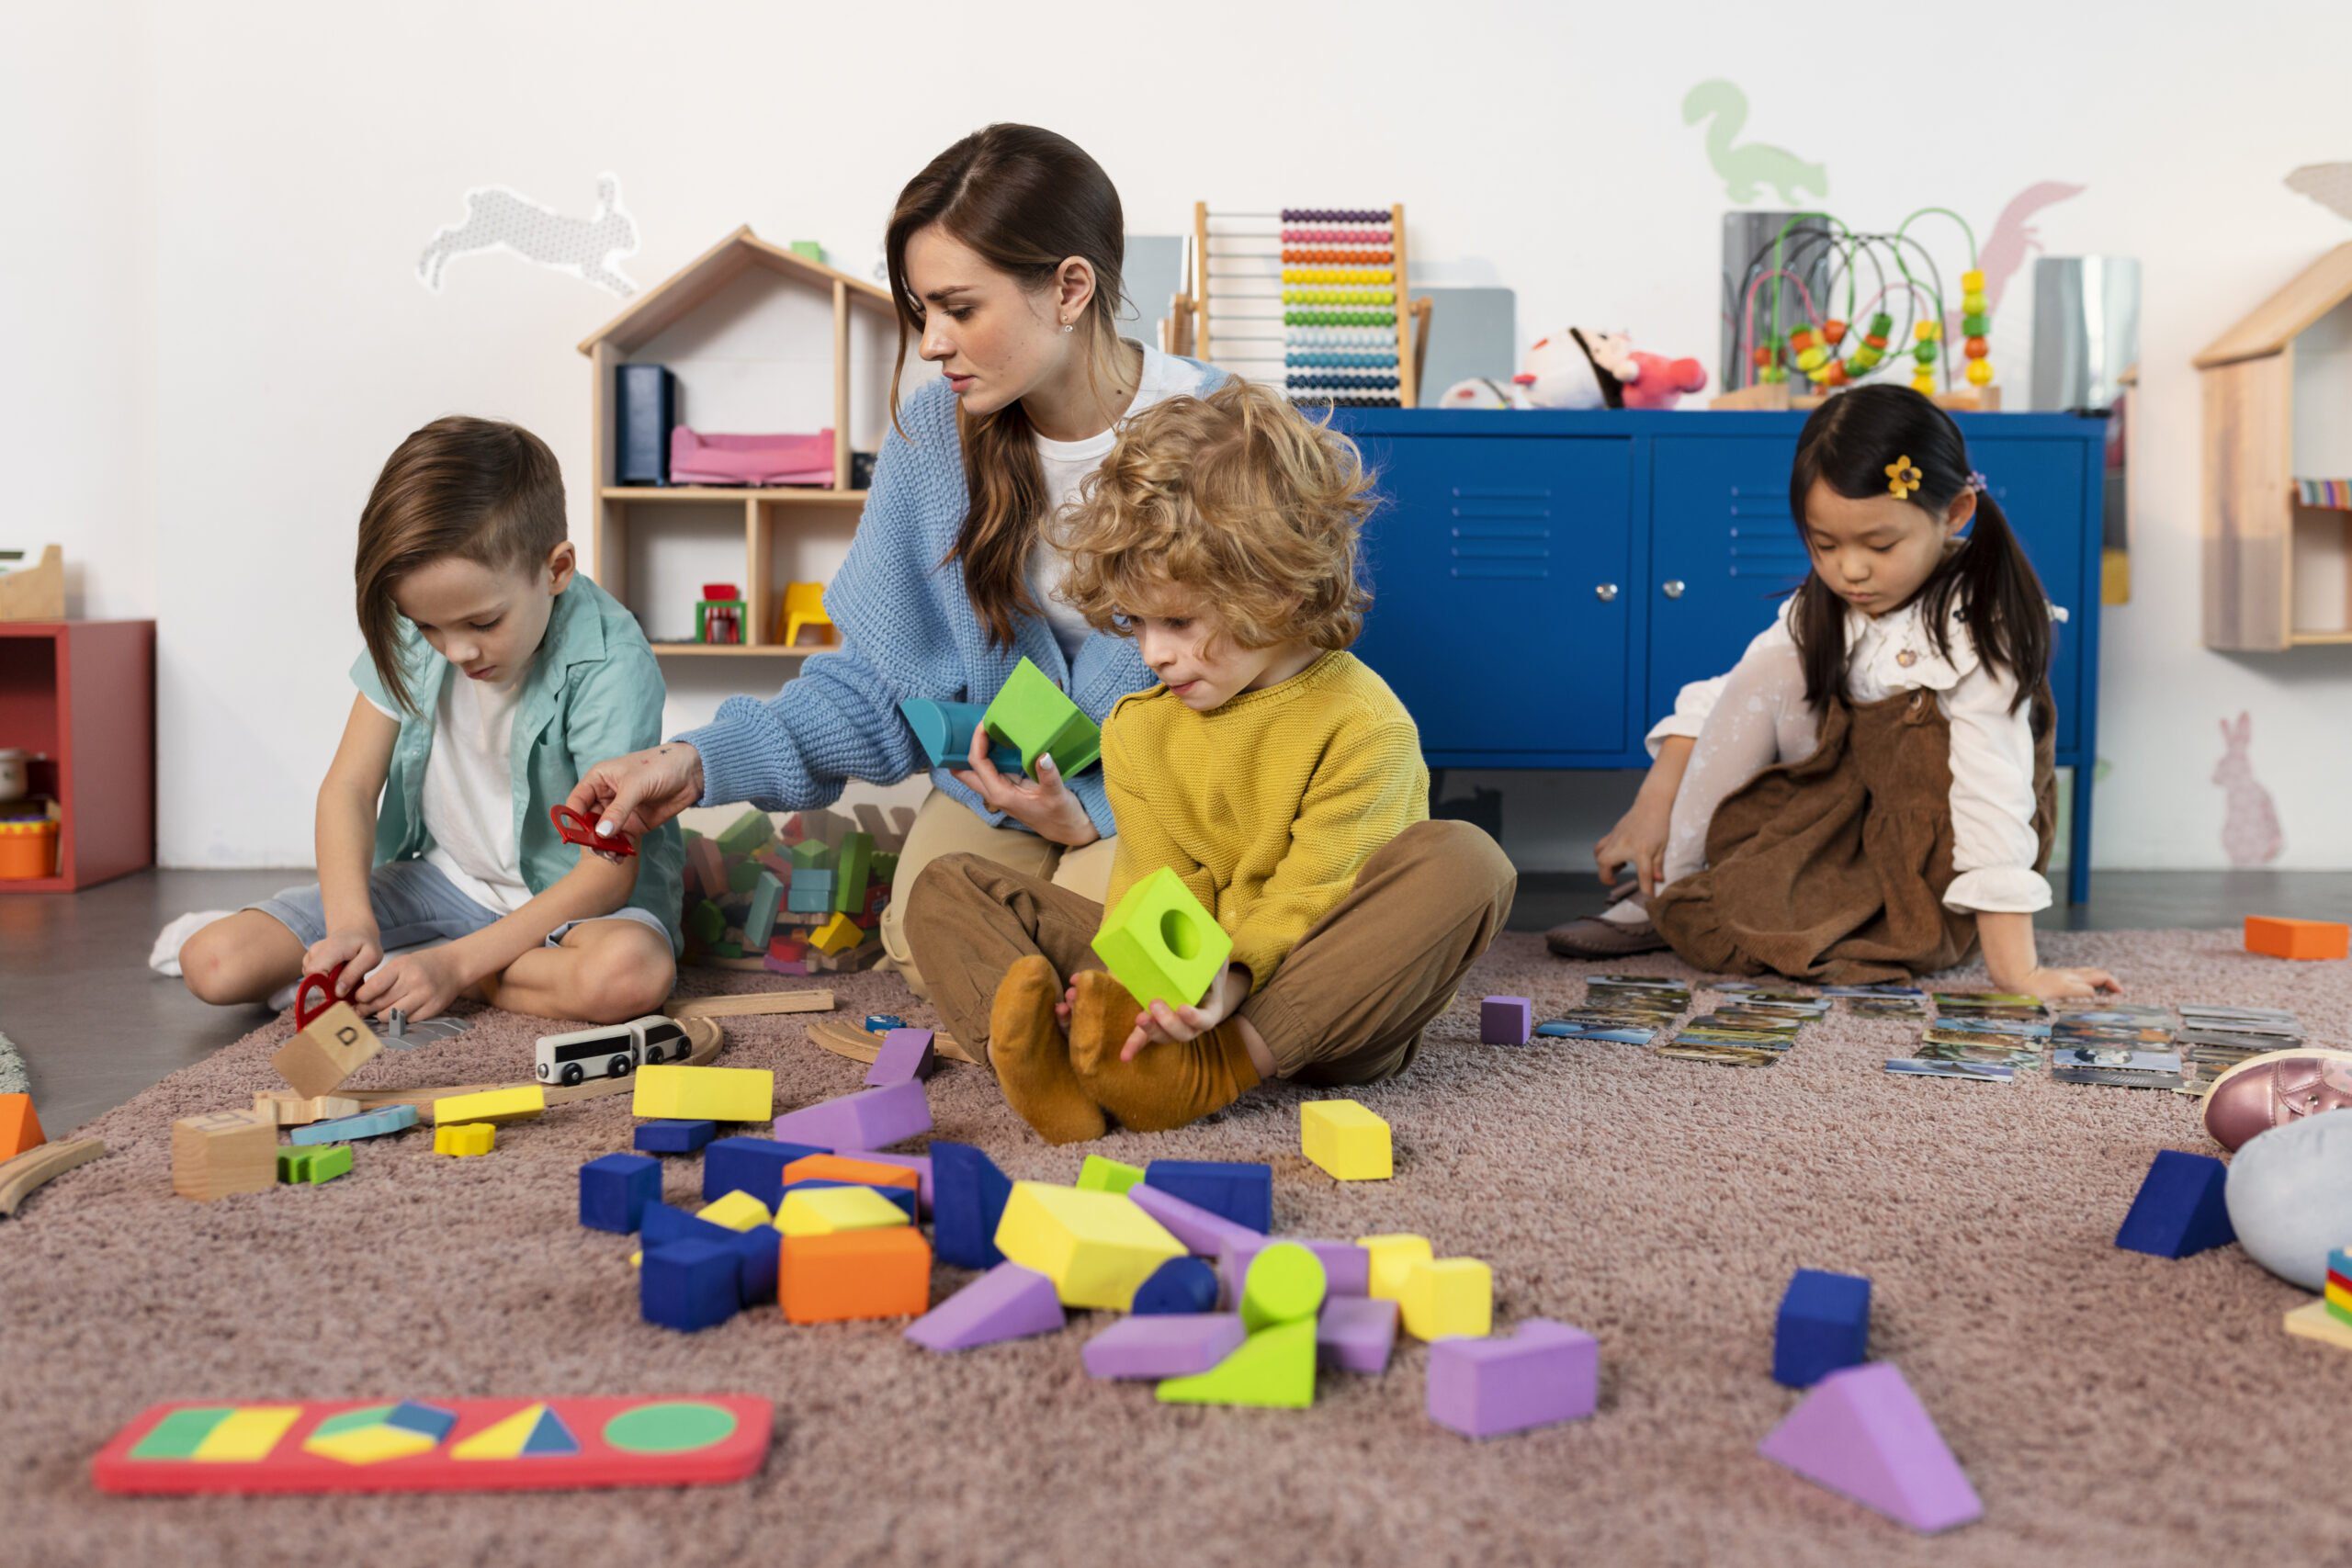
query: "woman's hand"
419, 984
2051, 985
1043, 804
636, 794
1638, 841
357, 948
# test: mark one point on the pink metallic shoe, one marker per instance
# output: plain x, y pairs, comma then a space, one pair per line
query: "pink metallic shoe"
2275, 1088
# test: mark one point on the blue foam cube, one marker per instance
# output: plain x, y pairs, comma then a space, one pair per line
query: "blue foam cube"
967, 1198
1825, 1324
1241, 1191
615, 1189
669, 1137
688, 1285
749, 1165
2179, 1210
1179, 1285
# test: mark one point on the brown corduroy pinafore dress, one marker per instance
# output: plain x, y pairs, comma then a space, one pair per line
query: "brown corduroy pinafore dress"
1834, 869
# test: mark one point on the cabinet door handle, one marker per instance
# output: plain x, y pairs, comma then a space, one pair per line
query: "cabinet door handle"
1605, 591
1674, 587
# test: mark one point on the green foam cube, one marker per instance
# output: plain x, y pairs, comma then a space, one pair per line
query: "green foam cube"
1034, 716
1101, 1175
1161, 944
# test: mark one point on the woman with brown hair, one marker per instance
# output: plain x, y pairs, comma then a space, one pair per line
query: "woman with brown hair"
1004, 260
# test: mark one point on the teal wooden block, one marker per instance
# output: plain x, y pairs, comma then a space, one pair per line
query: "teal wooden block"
1036, 716
1161, 944
767, 897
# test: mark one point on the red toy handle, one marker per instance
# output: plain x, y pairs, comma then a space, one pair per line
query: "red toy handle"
303, 1012
574, 830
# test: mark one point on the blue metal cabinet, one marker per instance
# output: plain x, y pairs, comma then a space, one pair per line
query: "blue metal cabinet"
1723, 552
2040, 487
1513, 551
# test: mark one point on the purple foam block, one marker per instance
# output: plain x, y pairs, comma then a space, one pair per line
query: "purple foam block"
1355, 1334
905, 1058
1204, 1234
1007, 1303
1863, 1433
1545, 1372
867, 1120
1163, 1347
1505, 1020
1347, 1268
919, 1164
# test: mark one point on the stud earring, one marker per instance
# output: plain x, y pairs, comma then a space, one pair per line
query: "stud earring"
1067, 327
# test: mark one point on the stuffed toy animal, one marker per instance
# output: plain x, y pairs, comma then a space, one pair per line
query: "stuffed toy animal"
1581, 368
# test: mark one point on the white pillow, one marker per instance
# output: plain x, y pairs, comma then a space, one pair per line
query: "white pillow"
2290, 1196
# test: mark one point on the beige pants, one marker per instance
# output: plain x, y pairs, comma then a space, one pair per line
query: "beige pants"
945, 826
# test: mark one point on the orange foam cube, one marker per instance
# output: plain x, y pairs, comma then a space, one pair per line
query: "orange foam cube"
855, 1274
857, 1172
20, 1128
2296, 939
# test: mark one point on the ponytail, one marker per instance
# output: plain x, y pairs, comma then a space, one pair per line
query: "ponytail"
1846, 444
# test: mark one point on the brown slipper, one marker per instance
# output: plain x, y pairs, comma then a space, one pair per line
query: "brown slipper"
1593, 937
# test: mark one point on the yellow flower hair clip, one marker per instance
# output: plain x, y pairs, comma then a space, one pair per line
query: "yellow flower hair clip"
1902, 479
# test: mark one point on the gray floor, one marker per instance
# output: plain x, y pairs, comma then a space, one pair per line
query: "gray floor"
96, 1026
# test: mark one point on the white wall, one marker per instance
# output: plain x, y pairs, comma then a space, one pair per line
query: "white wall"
217, 300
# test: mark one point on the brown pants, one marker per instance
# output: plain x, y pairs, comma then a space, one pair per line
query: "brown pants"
1347, 1006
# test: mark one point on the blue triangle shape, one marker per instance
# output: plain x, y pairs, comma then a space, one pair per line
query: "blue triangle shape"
2179, 1209
550, 1436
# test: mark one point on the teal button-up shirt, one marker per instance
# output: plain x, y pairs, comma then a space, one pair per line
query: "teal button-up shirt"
592, 692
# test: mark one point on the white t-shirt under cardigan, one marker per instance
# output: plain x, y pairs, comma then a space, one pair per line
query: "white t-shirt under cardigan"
1066, 463
469, 791
1993, 844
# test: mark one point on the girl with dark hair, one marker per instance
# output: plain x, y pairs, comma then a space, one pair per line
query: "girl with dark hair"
1869, 792
1004, 259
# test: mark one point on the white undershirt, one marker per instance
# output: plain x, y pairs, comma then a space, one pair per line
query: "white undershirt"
1066, 463
469, 792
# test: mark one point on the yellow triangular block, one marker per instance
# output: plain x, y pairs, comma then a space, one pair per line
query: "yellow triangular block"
826, 1211
738, 1210
504, 1440
1274, 1367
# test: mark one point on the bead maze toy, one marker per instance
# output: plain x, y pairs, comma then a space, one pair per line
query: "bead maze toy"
1903, 317
456, 1445
1313, 301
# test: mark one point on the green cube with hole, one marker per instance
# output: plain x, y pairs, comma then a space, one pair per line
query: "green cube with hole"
1035, 716
1161, 944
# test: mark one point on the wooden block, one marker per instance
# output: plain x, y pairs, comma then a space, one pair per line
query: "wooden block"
855, 1274
856, 861
19, 1127
746, 834
828, 1210
289, 1110
313, 1165
1451, 1298
464, 1140
1161, 944
1346, 1140
333, 1046
2304, 940
2312, 1321
496, 1107
1097, 1248
21, 1176
705, 1094
750, 1004
709, 866
838, 935
223, 1152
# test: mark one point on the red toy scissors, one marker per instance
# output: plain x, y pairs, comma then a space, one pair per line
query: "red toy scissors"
574, 830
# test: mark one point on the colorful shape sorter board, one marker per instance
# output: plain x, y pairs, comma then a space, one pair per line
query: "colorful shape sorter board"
452, 1445
1310, 300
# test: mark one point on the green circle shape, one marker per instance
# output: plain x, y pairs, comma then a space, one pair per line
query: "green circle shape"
671, 1428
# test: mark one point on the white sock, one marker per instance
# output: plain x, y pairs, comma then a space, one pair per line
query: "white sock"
1633, 911
164, 958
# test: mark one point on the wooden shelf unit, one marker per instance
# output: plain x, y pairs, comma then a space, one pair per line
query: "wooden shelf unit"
81, 694
619, 507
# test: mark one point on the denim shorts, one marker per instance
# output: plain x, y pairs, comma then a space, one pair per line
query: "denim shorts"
415, 903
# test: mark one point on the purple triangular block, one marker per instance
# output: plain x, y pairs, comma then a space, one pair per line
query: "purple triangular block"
1007, 1303
1204, 1234
870, 1119
1863, 1433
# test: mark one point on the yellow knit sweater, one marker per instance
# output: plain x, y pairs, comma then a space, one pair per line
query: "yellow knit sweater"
1268, 805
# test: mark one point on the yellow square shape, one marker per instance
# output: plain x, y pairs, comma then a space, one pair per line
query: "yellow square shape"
1348, 1141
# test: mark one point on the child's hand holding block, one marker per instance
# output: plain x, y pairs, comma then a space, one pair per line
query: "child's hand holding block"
1036, 716
332, 1042
1161, 944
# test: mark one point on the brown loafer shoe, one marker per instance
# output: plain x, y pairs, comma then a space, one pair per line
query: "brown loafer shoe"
2275, 1088
1593, 937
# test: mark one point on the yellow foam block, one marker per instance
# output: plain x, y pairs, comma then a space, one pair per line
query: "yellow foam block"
738, 1210
1452, 1298
825, 1211
1348, 1141
2314, 1322
494, 1106
1393, 1258
472, 1138
705, 1094
1097, 1248
246, 1436
837, 935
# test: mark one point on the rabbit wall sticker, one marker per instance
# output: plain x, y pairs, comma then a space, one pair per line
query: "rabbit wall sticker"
2250, 831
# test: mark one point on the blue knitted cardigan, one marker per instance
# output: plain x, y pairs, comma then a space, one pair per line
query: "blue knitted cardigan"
908, 630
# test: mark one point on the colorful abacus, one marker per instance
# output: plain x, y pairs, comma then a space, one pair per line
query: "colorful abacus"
1310, 299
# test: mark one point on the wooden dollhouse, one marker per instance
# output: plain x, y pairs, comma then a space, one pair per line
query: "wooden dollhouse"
2277, 523
759, 339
